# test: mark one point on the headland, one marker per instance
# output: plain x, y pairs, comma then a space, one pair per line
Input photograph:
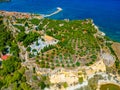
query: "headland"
55, 54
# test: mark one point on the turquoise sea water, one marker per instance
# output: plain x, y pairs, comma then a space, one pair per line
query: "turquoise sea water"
105, 13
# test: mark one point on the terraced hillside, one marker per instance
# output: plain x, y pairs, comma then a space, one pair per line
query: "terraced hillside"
77, 43
32, 46
59, 43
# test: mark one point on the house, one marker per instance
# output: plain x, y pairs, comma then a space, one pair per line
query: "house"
5, 57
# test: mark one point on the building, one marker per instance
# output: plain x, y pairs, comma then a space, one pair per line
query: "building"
4, 57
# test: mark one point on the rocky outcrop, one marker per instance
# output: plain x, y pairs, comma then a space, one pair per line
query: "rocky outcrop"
116, 48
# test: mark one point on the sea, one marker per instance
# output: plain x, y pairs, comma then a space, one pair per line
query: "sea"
105, 13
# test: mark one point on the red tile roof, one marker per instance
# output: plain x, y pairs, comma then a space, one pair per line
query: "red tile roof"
4, 57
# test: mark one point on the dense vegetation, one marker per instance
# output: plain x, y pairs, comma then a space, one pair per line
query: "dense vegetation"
7, 40
11, 72
78, 45
12, 75
27, 38
5, 36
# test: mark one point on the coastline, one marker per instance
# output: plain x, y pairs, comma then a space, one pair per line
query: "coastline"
29, 15
107, 22
20, 14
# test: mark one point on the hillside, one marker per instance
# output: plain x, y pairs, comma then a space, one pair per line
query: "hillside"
40, 51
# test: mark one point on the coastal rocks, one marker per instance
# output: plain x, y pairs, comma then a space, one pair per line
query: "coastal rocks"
99, 33
108, 59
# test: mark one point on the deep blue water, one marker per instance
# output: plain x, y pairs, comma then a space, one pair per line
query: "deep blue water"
105, 13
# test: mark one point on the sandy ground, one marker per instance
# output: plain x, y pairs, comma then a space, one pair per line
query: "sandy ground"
98, 66
68, 77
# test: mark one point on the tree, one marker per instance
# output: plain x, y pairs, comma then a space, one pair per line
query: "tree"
30, 38
34, 70
7, 80
80, 80
65, 85
21, 36
62, 65
6, 37
15, 86
26, 24
17, 76
1, 84
52, 67
10, 65
73, 65
25, 86
77, 63
14, 49
21, 28
35, 21
42, 85
34, 77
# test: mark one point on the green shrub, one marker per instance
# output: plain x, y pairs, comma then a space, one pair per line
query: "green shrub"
77, 63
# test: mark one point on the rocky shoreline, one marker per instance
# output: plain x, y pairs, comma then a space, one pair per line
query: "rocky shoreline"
82, 72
